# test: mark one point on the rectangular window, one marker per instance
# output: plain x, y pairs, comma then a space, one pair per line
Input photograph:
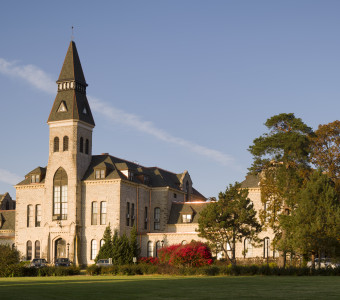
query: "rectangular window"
103, 213
57, 202
64, 202
30, 216
97, 174
146, 218
186, 218
157, 215
132, 214
127, 213
102, 173
37, 215
94, 213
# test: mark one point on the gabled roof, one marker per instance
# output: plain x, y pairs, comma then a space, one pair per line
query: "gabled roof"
38, 170
72, 99
7, 220
179, 209
251, 181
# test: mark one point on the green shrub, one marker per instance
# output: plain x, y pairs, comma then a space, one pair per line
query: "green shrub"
93, 270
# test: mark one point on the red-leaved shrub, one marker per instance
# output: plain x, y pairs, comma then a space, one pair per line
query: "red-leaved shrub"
194, 254
149, 260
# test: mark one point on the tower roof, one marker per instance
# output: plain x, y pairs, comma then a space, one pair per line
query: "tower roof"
72, 69
71, 101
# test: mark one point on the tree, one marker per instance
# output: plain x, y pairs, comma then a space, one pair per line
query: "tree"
105, 251
315, 223
326, 150
281, 159
134, 243
8, 256
229, 220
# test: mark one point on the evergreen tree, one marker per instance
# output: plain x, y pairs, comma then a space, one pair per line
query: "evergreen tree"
281, 159
134, 243
106, 251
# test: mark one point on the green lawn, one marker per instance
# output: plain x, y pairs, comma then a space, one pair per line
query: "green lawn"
168, 287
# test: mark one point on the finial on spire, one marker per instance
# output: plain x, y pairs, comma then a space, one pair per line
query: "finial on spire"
72, 36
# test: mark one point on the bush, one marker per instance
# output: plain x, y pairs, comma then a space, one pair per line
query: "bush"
18, 270
194, 254
149, 260
8, 256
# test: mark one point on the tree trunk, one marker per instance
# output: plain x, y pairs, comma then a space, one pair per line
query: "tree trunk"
313, 260
234, 244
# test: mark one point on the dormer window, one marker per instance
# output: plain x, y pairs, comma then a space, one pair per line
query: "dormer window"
100, 174
131, 176
62, 107
186, 218
35, 178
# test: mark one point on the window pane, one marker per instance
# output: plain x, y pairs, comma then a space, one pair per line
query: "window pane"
29, 250
103, 213
150, 249
29, 215
94, 213
102, 173
37, 249
64, 202
56, 208
37, 215
97, 174
93, 249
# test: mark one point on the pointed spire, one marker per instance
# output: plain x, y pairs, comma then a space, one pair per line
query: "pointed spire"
71, 102
72, 69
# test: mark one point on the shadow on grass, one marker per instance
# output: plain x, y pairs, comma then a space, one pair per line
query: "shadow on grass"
166, 287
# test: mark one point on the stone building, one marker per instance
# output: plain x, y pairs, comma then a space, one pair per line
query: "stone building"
64, 208
7, 220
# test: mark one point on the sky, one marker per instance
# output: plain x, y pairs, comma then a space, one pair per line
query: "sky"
181, 85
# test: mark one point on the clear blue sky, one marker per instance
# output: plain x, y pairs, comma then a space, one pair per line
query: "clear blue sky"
182, 85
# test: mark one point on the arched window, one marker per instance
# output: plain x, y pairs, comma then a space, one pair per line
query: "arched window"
81, 145
65, 143
60, 195
28, 250
158, 246
94, 213
56, 144
157, 217
248, 248
150, 249
30, 215
266, 247
93, 249
184, 242
102, 242
87, 146
37, 249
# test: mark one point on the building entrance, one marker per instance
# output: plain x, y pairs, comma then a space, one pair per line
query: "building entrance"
60, 249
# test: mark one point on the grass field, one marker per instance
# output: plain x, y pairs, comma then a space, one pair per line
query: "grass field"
170, 287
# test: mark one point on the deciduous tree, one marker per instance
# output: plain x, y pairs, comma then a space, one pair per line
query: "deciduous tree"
229, 220
315, 223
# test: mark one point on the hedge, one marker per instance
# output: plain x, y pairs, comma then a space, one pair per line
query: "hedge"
212, 270
19, 270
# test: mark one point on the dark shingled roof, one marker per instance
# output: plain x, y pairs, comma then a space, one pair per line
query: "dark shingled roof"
251, 181
179, 209
74, 100
7, 220
72, 69
157, 177
38, 170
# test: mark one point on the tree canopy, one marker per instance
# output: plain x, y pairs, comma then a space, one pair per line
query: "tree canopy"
281, 160
314, 226
228, 220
